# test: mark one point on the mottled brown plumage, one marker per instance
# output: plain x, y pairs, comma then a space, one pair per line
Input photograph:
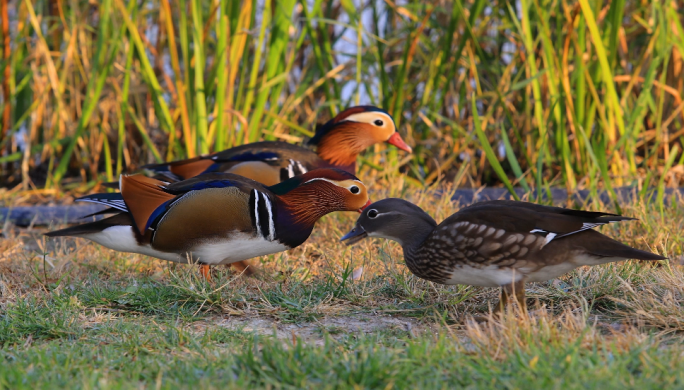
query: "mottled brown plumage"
495, 243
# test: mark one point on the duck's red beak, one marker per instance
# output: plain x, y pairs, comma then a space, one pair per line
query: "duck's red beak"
364, 206
397, 141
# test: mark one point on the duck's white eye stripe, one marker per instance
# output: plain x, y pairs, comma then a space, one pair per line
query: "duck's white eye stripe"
368, 117
337, 183
321, 178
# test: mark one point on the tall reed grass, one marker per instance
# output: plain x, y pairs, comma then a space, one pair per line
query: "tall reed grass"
582, 94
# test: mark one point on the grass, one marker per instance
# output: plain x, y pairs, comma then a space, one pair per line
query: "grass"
552, 93
328, 316
584, 95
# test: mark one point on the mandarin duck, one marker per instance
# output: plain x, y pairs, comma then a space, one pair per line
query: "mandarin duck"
338, 143
496, 243
218, 218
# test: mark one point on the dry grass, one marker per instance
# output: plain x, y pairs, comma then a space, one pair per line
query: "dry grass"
369, 277
326, 299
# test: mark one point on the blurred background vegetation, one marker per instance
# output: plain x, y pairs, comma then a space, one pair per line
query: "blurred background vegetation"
533, 93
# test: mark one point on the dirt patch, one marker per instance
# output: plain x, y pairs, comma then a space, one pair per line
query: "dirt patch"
315, 332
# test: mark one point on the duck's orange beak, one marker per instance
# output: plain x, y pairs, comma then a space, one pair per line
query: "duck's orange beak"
364, 206
397, 141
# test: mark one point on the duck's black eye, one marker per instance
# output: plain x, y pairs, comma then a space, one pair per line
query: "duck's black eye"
372, 213
354, 190
378, 122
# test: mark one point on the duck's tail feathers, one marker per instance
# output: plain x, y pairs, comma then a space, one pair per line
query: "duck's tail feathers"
93, 227
607, 247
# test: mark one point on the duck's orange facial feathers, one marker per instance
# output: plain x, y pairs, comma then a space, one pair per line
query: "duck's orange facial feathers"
353, 131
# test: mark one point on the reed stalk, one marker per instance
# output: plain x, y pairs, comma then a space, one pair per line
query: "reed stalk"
567, 93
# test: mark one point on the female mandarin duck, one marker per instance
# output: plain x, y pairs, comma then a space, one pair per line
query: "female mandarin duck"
496, 243
338, 144
218, 218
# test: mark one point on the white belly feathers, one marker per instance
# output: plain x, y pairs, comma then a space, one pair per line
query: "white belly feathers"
240, 247
493, 276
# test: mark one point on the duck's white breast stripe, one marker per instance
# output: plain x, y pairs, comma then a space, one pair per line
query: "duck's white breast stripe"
256, 212
290, 169
263, 214
271, 224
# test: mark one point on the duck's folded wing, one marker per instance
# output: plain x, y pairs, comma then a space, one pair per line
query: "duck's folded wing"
208, 212
185, 169
503, 233
212, 180
523, 217
148, 199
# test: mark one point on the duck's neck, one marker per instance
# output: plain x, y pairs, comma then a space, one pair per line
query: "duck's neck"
298, 211
341, 147
414, 236
412, 244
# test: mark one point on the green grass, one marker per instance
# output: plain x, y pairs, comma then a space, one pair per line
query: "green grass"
86, 317
165, 355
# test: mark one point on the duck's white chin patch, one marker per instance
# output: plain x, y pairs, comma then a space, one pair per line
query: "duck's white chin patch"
380, 235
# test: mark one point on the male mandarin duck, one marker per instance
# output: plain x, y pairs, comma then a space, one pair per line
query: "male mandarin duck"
218, 218
496, 243
338, 143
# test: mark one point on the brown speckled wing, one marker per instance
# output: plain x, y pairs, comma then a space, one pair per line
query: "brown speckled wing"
477, 245
482, 243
